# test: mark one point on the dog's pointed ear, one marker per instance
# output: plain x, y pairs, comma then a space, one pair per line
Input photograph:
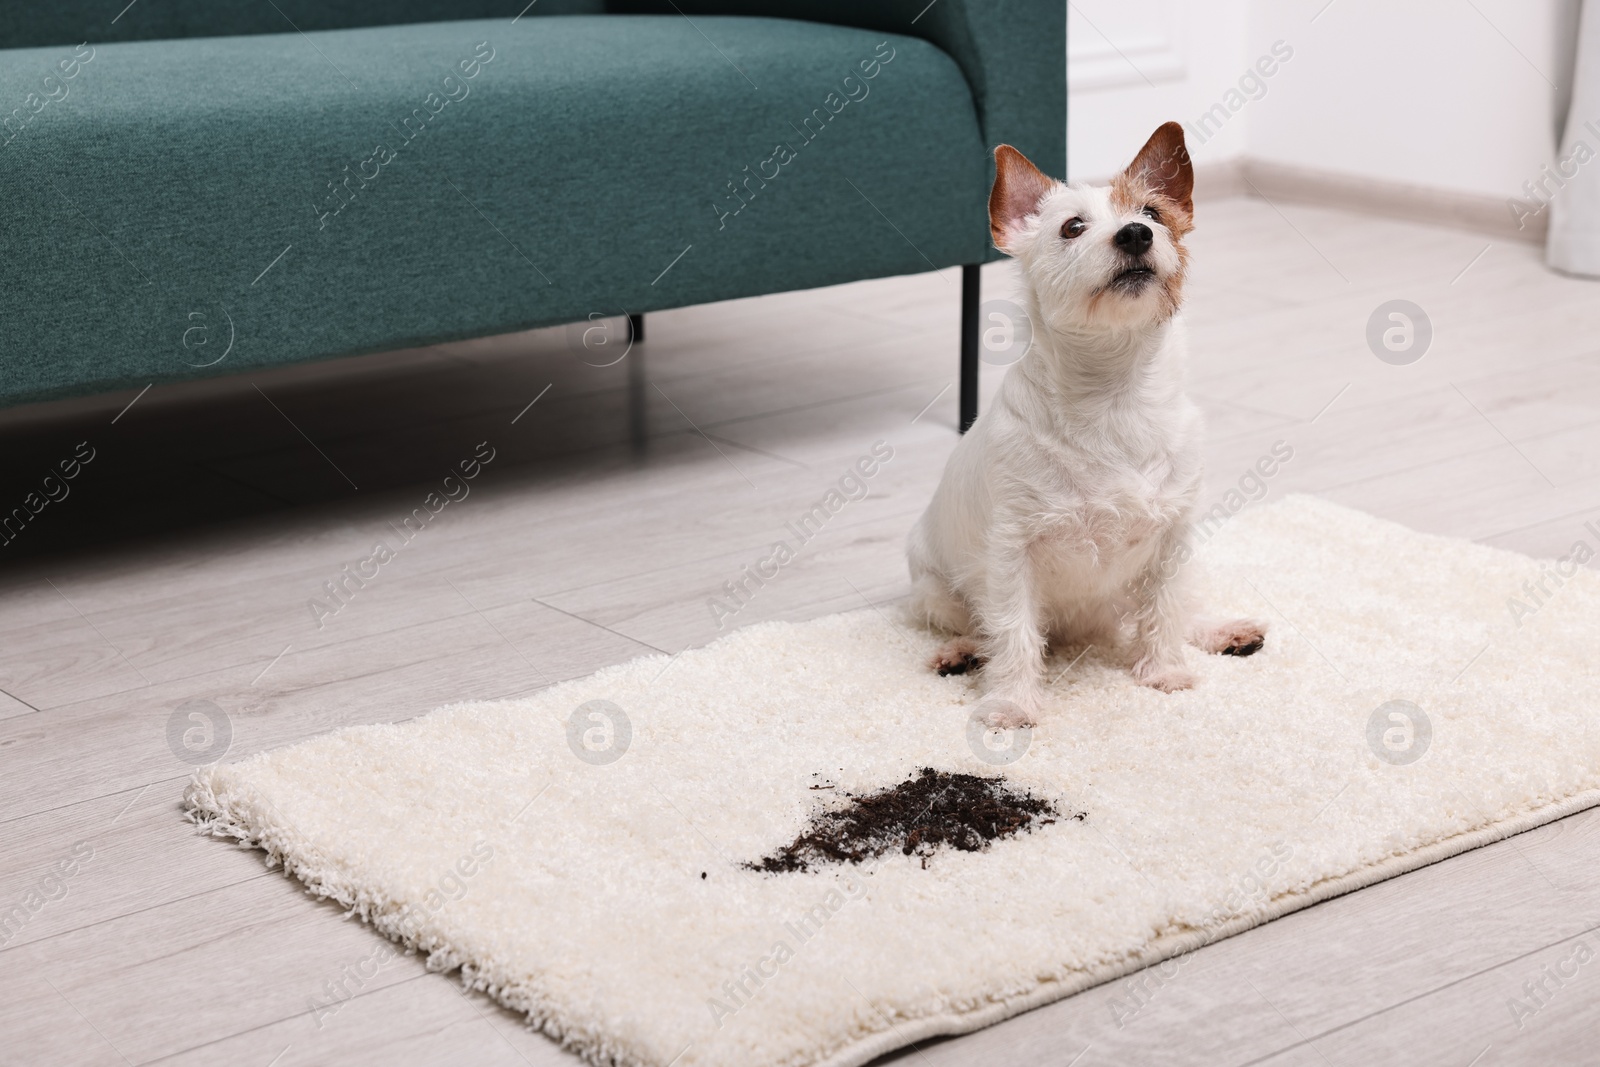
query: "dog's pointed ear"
1163, 166
1019, 186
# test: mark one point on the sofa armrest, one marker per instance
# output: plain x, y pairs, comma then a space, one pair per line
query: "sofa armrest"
1014, 55
1012, 52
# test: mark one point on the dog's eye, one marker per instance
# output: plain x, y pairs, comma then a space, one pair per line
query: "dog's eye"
1150, 213
1073, 227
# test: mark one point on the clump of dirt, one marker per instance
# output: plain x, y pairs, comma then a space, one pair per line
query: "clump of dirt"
928, 810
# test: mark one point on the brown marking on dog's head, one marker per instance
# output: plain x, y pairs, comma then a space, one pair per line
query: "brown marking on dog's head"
1161, 178
1019, 186
1161, 169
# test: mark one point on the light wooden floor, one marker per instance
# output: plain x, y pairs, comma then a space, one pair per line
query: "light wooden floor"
180, 568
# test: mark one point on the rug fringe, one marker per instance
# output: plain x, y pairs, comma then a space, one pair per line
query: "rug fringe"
219, 811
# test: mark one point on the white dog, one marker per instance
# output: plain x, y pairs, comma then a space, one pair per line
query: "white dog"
1063, 513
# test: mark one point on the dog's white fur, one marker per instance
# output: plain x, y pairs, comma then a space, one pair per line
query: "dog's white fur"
1063, 512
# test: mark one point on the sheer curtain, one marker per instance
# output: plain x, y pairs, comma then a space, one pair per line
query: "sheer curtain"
1574, 241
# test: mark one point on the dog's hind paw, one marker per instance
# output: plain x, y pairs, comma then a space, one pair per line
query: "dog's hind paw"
957, 656
1235, 637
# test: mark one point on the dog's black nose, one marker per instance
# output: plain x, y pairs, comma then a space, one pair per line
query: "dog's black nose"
1134, 238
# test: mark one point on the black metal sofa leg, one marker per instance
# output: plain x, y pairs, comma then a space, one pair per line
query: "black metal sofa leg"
969, 345
638, 434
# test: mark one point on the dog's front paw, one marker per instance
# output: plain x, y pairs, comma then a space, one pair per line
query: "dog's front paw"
956, 656
1166, 678
1011, 707
1000, 714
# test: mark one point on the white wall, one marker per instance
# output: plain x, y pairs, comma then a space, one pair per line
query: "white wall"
1134, 64
1440, 93
1445, 94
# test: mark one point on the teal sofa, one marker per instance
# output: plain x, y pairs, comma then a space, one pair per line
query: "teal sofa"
205, 187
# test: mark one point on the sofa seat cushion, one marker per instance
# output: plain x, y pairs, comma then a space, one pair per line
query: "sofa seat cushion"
295, 196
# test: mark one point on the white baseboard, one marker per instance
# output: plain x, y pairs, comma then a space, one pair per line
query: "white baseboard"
1478, 212
1304, 185
1218, 181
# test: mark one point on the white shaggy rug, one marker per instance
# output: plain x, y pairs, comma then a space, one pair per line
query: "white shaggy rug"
607, 899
